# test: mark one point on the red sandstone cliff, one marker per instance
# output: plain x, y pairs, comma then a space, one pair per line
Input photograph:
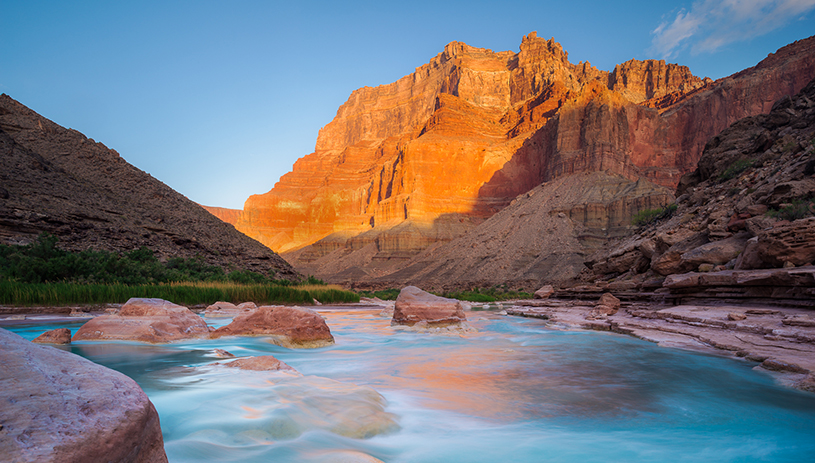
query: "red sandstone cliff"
229, 216
407, 165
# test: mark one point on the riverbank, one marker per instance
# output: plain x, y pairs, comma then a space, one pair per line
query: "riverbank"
780, 339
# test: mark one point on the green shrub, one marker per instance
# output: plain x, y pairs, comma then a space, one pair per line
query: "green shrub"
42, 262
798, 209
735, 169
496, 293
647, 216
389, 294
22, 294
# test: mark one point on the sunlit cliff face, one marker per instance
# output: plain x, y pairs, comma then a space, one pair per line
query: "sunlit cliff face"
451, 144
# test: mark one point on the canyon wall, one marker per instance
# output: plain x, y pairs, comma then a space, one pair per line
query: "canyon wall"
407, 166
58, 181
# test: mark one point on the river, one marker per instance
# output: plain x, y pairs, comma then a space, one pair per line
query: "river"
513, 390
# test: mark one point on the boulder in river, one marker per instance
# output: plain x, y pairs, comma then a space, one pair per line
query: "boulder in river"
59, 407
292, 327
414, 306
145, 320
57, 336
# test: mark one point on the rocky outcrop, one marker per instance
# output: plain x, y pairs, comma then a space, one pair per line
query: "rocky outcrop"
59, 407
145, 320
57, 336
58, 181
416, 307
291, 327
377, 192
781, 339
750, 205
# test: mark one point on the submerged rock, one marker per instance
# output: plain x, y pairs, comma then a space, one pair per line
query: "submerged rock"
414, 306
57, 336
292, 327
145, 320
261, 363
59, 407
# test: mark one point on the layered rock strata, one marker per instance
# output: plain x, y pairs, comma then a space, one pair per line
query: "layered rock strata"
58, 181
145, 320
777, 339
407, 166
59, 407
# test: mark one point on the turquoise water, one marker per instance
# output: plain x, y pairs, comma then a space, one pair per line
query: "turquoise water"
512, 391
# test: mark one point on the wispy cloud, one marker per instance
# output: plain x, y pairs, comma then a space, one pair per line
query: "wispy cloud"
712, 24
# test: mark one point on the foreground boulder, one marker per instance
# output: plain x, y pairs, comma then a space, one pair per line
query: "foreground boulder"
59, 407
57, 336
145, 320
414, 306
291, 327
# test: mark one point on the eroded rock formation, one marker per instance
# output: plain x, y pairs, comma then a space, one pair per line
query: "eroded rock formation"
407, 166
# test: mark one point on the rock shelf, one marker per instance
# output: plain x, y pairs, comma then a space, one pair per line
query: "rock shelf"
780, 339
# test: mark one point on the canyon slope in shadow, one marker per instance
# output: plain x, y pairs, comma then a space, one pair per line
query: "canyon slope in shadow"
58, 181
406, 183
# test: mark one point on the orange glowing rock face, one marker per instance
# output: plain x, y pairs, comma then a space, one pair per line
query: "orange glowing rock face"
466, 133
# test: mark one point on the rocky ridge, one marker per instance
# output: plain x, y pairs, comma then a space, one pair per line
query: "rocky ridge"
378, 191
58, 181
743, 224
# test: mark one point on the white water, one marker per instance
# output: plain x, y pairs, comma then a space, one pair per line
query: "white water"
512, 391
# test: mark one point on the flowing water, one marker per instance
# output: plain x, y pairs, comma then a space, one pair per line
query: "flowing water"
514, 390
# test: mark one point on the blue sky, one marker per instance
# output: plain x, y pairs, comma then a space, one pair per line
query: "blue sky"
217, 99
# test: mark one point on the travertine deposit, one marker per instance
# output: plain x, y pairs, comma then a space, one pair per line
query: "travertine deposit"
408, 166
